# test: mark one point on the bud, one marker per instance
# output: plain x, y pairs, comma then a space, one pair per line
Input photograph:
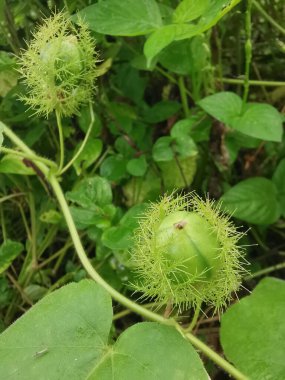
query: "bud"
59, 67
186, 251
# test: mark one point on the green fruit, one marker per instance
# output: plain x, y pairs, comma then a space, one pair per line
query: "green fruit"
63, 54
59, 66
185, 251
187, 241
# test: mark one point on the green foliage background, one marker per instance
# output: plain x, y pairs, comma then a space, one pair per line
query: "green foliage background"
190, 96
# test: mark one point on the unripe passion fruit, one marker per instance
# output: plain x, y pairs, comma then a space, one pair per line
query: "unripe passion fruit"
186, 251
59, 66
63, 56
187, 241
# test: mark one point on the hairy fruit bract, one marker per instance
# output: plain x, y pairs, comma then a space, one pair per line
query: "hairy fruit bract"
186, 252
59, 66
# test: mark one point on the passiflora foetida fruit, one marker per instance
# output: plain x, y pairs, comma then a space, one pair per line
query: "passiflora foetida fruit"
186, 251
59, 66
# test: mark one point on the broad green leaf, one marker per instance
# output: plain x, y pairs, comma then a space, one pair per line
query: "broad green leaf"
99, 217
118, 238
162, 150
177, 57
223, 106
51, 216
141, 189
262, 121
162, 37
195, 126
253, 200
114, 168
217, 10
9, 250
279, 181
161, 111
185, 147
137, 166
8, 74
88, 156
151, 351
179, 173
253, 332
12, 164
64, 336
123, 17
182, 128
189, 10
121, 237
91, 192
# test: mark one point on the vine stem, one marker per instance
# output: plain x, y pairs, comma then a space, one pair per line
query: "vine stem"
82, 146
61, 141
221, 362
268, 17
252, 82
248, 50
95, 276
183, 95
29, 156
265, 271
195, 318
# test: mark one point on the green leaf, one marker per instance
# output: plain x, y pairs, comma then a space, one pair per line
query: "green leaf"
137, 166
279, 181
162, 150
9, 250
161, 111
177, 57
123, 17
88, 156
64, 336
189, 10
182, 128
253, 332
185, 147
179, 173
151, 351
121, 237
223, 106
90, 192
162, 37
141, 189
12, 164
114, 168
253, 200
51, 216
262, 121
84, 218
